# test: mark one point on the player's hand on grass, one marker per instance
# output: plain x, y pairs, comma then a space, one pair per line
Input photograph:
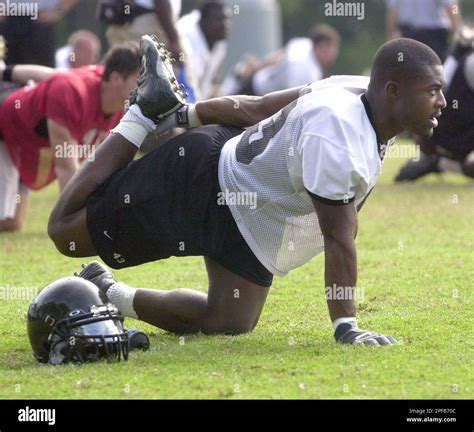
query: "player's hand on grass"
347, 333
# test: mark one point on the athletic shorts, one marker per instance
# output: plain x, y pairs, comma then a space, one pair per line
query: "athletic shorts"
166, 204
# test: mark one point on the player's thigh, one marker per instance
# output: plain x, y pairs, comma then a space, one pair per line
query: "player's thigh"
233, 300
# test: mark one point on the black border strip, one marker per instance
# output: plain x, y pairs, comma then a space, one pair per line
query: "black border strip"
367, 413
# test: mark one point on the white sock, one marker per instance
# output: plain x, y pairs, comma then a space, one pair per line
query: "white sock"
134, 126
122, 295
335, 324
450, 165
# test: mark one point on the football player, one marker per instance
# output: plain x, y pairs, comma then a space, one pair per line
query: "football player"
255, 203
45, 130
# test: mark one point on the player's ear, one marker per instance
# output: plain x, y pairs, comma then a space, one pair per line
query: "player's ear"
392, 89
115, 78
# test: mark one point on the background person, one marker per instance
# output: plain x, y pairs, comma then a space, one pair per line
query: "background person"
82, 49
205, 31
450, 147
33, 40
427, 21
302, 61
40, 125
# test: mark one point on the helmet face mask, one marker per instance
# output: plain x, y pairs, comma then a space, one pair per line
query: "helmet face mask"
89, 336
67, 322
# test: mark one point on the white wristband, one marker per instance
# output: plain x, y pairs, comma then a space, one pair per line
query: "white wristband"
193, 117
350, 320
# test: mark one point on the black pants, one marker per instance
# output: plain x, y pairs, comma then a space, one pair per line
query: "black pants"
28, 41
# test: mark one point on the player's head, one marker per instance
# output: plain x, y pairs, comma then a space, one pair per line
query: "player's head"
215, 19
85, 47
326, 42
122, 64
408, 76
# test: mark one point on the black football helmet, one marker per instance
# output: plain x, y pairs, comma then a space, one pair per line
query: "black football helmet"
68, 322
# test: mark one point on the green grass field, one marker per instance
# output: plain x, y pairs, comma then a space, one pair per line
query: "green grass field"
415, 252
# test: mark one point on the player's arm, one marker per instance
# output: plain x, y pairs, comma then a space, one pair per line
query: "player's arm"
244, 111
339, 228
393, 31
60, 140
164, 13
454, 14
21, 74
238, 111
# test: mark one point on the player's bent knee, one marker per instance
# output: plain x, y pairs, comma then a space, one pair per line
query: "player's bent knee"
64, 248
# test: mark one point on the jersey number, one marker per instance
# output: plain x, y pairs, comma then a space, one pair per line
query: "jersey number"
247, 150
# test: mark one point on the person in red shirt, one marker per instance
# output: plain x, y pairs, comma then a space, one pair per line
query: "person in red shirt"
46, 130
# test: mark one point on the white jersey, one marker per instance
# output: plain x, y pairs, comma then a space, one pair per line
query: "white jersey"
322, 145
299, 66
205, 64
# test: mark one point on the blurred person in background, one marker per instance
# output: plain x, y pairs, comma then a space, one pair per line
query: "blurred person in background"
46, 130
33, 40
451, 147
427, 21
129, 20
147, 16
205, 31
82, 49
303, 60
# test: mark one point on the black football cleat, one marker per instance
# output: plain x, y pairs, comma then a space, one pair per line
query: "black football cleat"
413, 170
99, 275
137, 340
158, 93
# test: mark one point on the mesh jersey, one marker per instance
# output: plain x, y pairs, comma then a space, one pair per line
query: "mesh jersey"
321, 145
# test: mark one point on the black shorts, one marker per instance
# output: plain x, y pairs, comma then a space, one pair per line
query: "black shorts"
165, 204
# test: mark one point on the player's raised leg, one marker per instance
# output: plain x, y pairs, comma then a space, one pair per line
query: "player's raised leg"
157, 95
